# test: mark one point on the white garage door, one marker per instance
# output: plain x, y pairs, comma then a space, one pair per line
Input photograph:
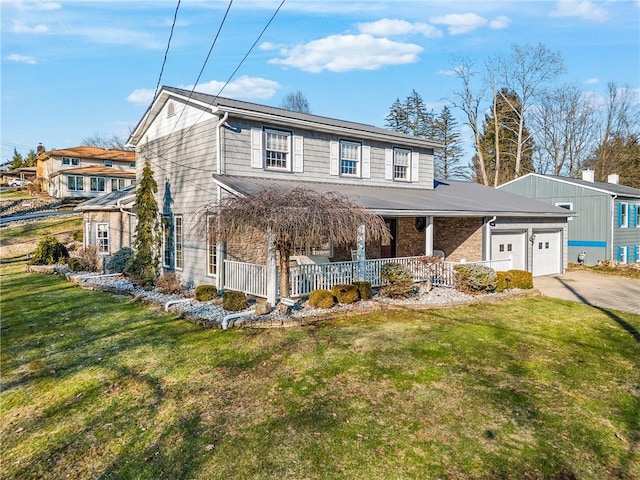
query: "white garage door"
510, 245
547, 256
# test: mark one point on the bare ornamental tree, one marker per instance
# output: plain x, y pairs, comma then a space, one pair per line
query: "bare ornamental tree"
296, 217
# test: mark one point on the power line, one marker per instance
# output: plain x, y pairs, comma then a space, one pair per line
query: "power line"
166, 52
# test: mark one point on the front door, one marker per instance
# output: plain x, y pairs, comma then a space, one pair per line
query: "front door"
388, 249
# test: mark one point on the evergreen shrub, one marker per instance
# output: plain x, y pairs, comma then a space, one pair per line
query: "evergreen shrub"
364, 290
50, 252
205, 293
119, 260
394, 273
321, 299
345, 294
474, 279
234, 301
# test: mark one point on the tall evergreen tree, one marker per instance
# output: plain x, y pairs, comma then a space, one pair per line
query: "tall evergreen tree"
17, 161
411, 117
447, 161
145, 264
397, 119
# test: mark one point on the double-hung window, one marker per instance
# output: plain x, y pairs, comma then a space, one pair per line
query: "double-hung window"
623, 215
75, 183
350, 158
277, 149
166, 241
401, 164
117, 184
102, 237
178, 241
211, 246
97, 184
70, 161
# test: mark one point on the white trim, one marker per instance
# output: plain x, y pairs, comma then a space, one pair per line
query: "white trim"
257, 158
334, 161
366, 161
388, 164
415, 166
298, 153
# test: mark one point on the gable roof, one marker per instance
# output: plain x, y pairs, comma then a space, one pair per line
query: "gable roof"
110, 201
96, 170
220, 105
604, 187
448, 198
94, 153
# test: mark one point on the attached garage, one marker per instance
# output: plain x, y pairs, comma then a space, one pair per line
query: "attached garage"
505, 245
547, 253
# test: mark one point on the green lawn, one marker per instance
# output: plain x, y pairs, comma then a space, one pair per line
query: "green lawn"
95, 386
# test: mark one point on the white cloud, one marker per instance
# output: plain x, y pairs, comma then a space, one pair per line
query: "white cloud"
500, 22
21, 27
459, 23
341, 53
270, 46
448, 73
591, 81
388, 26
26, 6
584, 10
243, 88
14, 57
48, 6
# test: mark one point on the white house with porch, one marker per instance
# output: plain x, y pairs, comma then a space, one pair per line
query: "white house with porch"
202, 147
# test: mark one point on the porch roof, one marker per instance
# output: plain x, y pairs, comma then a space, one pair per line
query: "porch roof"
448, 198
110, 201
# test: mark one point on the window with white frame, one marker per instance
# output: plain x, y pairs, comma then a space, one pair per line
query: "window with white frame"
117, 184
350, 158
401, 164
565, 205
623, 254
108, 163
97, 184
277, 149
211, 246
75, 183
166, 241
624, 215
637, 215
132, 164
102, 237
178, 241
70, 161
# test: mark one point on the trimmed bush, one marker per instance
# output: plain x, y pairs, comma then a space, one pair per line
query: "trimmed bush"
321, 299
395, 273
503, 281
205, 293
234, 301
520, 279
75, 265
50, 252
119, 260
169, 283
474, 279
345, 294
364, 290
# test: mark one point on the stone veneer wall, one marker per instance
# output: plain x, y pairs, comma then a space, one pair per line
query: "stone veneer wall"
458, 237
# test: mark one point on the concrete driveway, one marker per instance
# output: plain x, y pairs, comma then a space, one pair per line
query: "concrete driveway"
599, 290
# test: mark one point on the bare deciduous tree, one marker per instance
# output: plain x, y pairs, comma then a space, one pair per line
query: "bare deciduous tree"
97, 140
296, 102
295, 218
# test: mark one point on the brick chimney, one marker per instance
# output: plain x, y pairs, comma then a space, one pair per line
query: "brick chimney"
40, 149
588, 175
613, 178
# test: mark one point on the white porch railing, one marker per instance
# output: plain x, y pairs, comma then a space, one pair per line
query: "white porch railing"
249, 278
252, 278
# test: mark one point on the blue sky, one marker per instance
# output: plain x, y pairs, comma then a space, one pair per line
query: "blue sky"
74, 69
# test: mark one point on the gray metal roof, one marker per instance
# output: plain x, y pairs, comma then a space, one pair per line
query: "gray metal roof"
448, 198
239, 107
610, 188
108, 201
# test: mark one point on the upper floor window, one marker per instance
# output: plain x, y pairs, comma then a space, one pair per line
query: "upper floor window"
277, 149
132, 164
75, 183
171, 109
108, 163
350, 158
97, 184
637, 216
401, 164
70, 161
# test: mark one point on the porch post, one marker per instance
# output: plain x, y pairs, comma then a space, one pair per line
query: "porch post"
272, 270
428, 237
362, 255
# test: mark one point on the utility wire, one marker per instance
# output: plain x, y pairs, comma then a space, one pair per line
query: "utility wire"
166, 52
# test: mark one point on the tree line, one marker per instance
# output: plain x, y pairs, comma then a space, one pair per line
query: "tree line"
523, 121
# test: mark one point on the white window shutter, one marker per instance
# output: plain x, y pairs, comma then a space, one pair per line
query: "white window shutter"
366, 161
256, 148
415, 164
388, 164
333, 158
298, 154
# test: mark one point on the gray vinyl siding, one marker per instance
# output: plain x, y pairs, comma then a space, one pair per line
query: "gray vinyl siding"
236, 151
532, 226
183, 165
590, 230
628, 236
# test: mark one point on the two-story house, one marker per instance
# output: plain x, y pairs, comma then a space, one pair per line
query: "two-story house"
202, 147
607, 222
84, 171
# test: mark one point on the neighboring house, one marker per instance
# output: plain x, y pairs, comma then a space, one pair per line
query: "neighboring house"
26, 174
109, 222
202, 147
84, 171
607, 222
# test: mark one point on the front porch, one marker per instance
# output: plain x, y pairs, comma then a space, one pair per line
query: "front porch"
262, 280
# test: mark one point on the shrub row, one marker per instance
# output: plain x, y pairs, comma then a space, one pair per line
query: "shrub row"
343, 294
514, 279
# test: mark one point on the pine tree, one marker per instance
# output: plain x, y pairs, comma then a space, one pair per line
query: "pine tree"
411, 117
145, 264
17, 161
397, 119
447, 161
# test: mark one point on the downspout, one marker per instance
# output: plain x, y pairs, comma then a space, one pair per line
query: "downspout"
233, 316
221, 122
219, 245
613, 223
487, 239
